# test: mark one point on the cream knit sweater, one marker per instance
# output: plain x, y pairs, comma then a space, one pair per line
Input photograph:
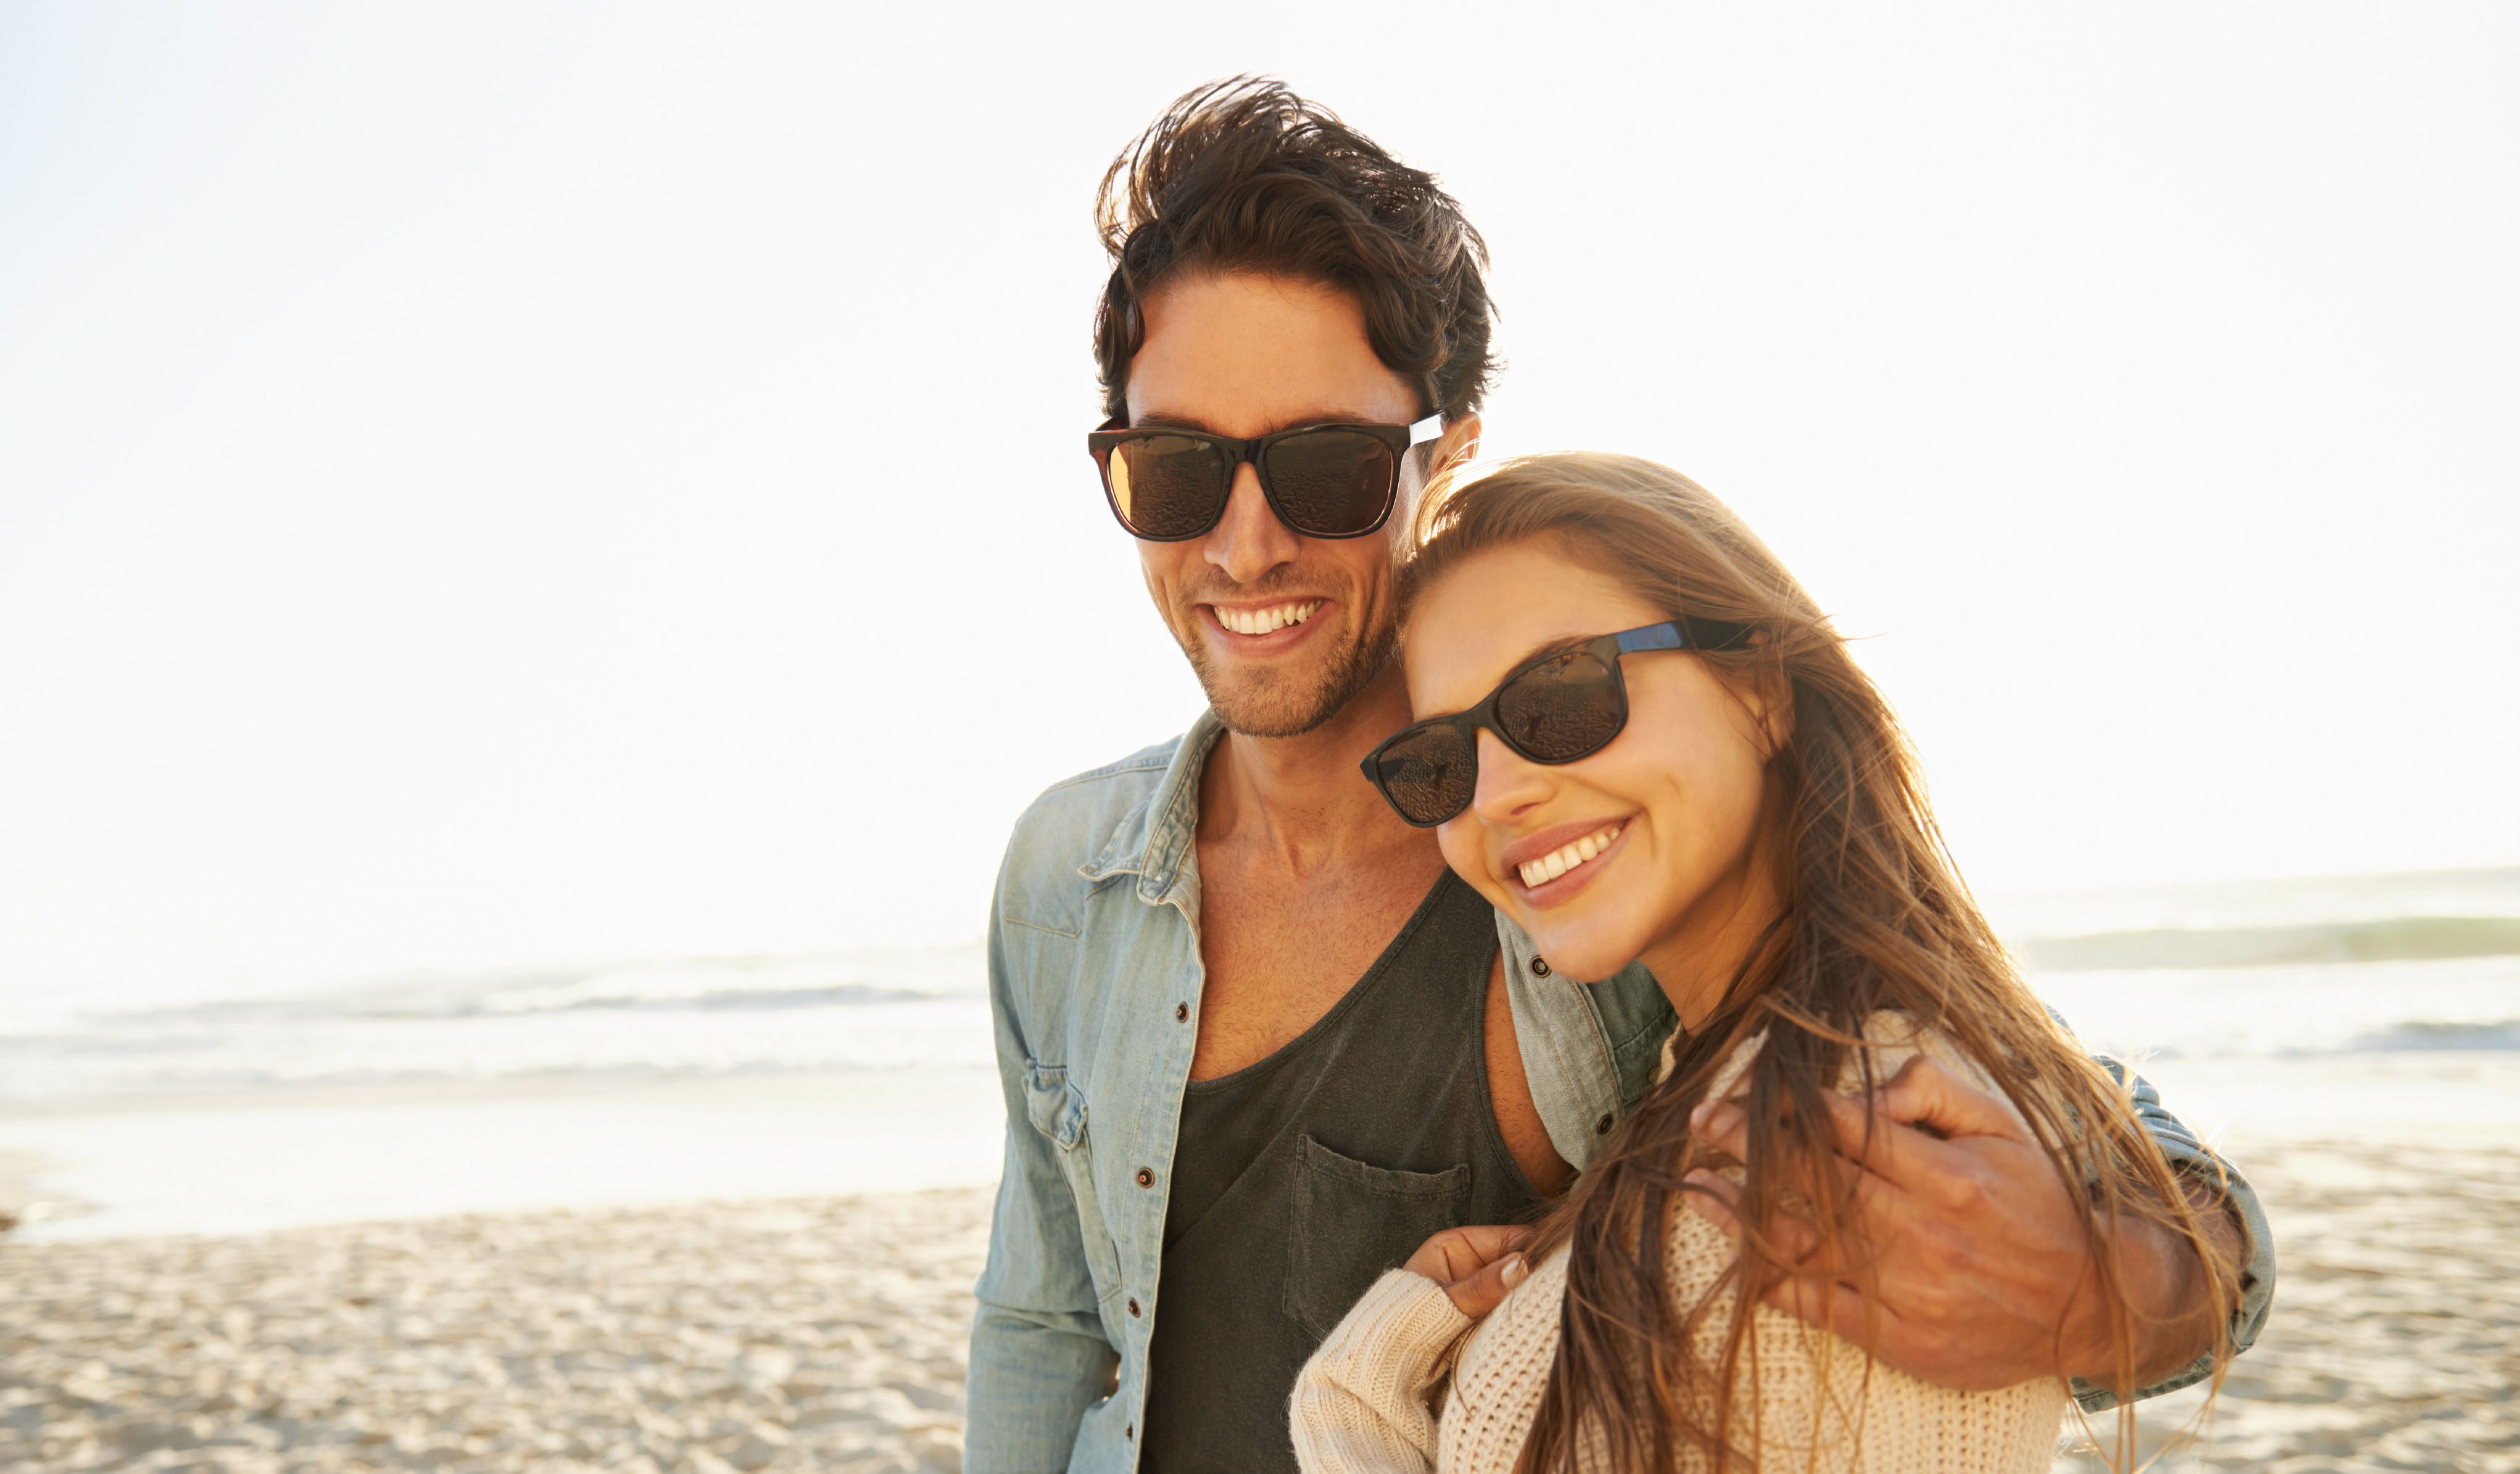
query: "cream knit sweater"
1367, 1402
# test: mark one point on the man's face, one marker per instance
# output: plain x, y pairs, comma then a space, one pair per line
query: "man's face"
1282, 628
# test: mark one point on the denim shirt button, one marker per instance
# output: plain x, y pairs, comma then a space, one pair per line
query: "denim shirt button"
1181, 1012
1539, 966
1132, 1307
1146, 1177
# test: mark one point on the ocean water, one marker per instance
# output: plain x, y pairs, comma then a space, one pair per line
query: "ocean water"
2269, 968
2307, 1005
428, 1093
706, 1017
2344, 965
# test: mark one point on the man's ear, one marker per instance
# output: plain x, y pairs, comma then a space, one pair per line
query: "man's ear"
1458, 446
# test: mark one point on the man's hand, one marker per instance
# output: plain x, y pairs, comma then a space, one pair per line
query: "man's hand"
1980, 1261
1477, 1266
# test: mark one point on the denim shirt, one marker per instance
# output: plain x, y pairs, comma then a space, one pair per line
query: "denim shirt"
1094, 980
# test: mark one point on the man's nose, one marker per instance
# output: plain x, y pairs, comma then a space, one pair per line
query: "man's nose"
1249, 540
1509, 782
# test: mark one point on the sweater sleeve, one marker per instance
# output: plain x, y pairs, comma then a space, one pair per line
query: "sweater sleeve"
1360, 1403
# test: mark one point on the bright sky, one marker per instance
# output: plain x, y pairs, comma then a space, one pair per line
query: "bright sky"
496, 482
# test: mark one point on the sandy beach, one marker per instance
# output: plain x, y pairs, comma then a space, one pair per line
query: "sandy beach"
827, 1334
2396, 1337
821, 1333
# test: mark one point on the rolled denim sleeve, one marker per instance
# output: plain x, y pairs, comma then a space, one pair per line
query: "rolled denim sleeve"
2188, 1155
1039, 1357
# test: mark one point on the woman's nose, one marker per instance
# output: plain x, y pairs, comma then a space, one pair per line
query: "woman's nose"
1248, 540
1508, 782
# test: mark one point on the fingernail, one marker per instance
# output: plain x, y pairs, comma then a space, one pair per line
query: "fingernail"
1697, 1114
1515, 1270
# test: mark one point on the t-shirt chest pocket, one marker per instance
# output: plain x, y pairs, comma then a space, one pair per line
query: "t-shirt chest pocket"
1352, 1221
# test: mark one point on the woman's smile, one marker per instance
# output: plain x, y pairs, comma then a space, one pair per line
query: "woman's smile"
1551, 867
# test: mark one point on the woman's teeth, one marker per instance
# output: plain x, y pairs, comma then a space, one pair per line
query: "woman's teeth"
1549, 866
1262, 621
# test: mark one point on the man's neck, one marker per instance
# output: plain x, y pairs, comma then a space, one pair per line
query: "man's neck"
1300, 801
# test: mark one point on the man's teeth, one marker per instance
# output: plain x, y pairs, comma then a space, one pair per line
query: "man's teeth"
1262, 621
1559, 862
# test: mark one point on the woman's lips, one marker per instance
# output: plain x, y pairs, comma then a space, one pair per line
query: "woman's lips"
1601, 840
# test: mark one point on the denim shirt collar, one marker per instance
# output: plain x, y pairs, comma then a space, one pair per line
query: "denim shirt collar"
1152, 840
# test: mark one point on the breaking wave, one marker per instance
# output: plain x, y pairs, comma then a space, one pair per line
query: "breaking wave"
2420, 1035
2396, 939
708, 1017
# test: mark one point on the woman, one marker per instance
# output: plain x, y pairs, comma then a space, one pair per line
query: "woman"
1640, 739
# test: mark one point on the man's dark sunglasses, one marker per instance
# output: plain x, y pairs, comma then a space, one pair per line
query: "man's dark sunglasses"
1556, 707
1323, 480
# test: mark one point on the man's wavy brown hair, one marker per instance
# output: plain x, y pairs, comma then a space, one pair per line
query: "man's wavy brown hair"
1244, 175
1873, 916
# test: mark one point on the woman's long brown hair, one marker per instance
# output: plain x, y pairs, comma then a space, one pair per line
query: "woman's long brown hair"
1873, 918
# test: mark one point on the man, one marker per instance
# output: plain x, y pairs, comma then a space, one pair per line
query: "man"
1256, 1044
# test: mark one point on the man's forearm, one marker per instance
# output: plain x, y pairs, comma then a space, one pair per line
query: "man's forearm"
2166, 1278
2176, 1318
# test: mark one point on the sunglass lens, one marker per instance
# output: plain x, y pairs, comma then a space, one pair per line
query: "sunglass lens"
1168, 486
1429, 773
1330, 482
1567, 707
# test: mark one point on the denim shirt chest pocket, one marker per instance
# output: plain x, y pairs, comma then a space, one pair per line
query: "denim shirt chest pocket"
1056, 1110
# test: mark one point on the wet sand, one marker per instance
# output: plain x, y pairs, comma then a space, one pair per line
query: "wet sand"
827, 1334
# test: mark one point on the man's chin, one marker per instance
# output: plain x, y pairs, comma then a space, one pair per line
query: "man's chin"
1263, 713
1277, 702
1281, 703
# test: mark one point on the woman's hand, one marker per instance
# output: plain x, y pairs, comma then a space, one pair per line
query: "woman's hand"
1475, 1264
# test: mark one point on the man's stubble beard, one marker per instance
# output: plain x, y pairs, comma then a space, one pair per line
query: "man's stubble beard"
1274, 706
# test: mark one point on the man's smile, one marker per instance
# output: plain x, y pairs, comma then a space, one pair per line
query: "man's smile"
1256, 622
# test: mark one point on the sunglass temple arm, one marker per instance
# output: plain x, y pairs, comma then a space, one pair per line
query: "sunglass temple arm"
1653, 637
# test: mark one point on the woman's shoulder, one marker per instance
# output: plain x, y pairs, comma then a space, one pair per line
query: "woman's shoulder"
1893, 1038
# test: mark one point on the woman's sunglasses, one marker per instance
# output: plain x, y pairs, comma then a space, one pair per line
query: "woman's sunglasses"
1323, 480
1556, 707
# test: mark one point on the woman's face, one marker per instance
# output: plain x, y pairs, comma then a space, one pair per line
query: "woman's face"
1643, 848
